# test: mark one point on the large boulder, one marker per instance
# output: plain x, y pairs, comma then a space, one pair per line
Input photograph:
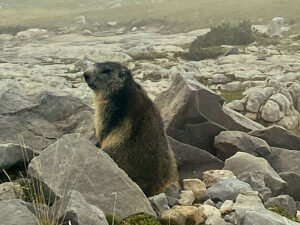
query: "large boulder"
14, 212
73, 162
230, 142
41, 118
277, 136
191, 161
188, 102
243, 162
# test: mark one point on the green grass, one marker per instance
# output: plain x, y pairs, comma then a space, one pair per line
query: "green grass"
229, 96
182, 15
282, 212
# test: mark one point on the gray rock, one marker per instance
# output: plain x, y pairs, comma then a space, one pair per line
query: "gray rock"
285, 202
257, 182
210, 177
226, 189
232, 51
75, 163
275, 26
244, 163
209, 202
271, 112
293, 184
277, 136
215, 220
15, 212
75, 210
230, 142
172, 194
283, 160
10, 190
256, 100
199, 135
191, 161
159, 203
41, 118
14, 155
189, 102
260, 217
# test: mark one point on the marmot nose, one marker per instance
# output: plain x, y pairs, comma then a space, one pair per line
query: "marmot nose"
86, 76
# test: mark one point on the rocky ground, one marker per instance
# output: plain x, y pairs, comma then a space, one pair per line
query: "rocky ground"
236, 160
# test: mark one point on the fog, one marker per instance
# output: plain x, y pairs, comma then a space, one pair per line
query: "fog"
175, 15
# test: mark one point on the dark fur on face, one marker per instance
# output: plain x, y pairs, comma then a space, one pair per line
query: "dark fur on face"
107, 77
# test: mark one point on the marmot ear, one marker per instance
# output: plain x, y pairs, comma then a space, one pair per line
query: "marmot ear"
124, 72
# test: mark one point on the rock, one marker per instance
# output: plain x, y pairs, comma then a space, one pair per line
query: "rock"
219, 204
212, 176
34, 33
285, 202
209, 202
255, 100
293, 184
159, 203
283, 160
257, 182
271, 112
82, 65
244, 163
298, 215
196, 186
10, 190
260, 216
186, 197
75, 210
200, 135
172, 194
181, 215
215, 220
191, 161
209, 211
219, 79
277, 136
230, 142
226, 189
227, 207
80, 20
14, 155
40, 118
84, 168
248, 200
232, 51
233, 86
15, 212
183, 104
275, 26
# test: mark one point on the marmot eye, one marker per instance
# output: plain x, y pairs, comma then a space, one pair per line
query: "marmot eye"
106, 70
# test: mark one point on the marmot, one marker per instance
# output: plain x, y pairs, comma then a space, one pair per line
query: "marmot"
130, 129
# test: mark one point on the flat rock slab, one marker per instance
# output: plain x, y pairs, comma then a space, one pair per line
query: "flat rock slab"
75, 163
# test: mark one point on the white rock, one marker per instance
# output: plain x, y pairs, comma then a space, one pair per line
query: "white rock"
271, 112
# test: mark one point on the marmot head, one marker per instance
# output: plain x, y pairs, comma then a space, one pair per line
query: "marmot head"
107, 77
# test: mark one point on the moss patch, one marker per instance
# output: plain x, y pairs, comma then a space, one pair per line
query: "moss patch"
229, 96
140, 219
282, 212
